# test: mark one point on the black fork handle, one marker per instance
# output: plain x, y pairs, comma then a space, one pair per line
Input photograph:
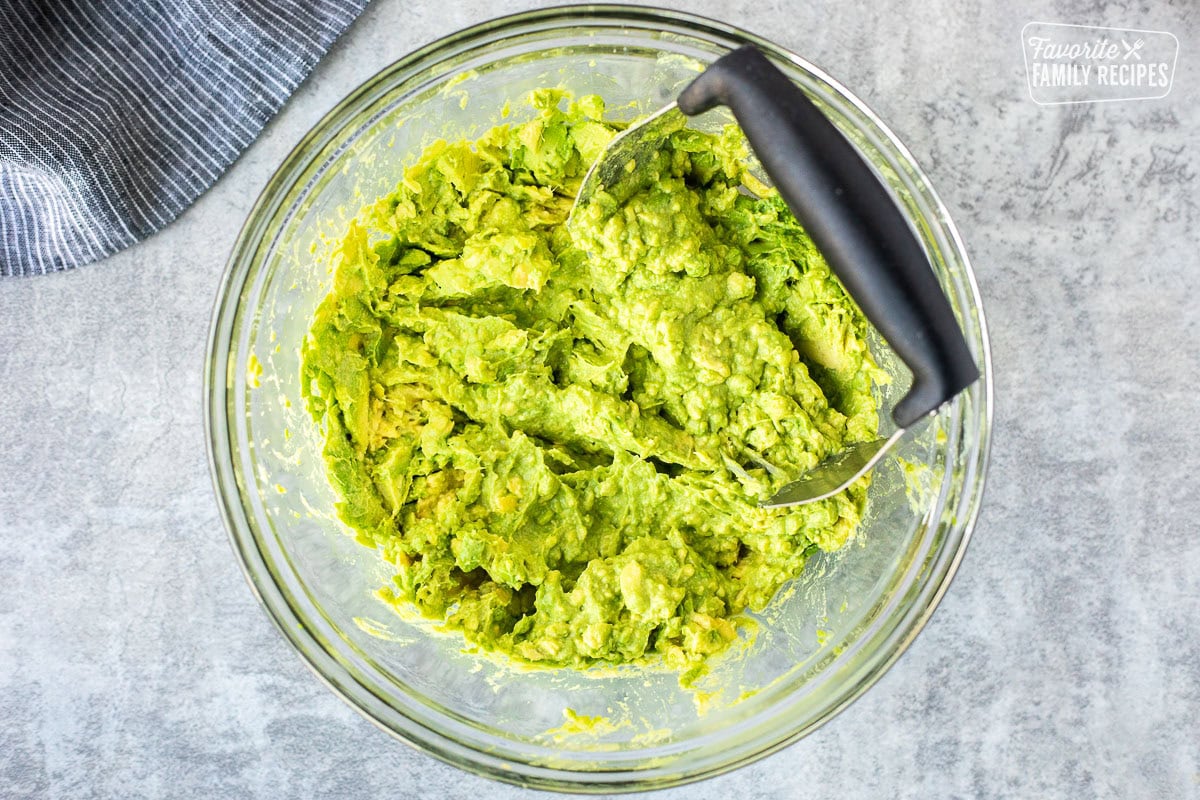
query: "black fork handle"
851, 217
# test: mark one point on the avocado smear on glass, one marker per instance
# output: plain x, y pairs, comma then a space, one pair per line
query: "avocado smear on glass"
559, 438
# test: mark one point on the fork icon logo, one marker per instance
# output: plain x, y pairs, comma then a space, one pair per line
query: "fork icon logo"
1093, 64
1132, 49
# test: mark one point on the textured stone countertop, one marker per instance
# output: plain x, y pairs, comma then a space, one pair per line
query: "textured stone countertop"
1063, 662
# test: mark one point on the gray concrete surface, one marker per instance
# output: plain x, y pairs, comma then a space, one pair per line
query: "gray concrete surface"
1064, 662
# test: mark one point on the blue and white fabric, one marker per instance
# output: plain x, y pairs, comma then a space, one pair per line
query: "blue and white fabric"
115, 115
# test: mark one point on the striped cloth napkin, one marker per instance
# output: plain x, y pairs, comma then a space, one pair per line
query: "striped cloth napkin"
115, 115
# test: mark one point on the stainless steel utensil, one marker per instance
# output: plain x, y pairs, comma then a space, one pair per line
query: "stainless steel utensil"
851, 217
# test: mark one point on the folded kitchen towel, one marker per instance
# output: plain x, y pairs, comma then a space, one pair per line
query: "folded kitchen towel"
116, 115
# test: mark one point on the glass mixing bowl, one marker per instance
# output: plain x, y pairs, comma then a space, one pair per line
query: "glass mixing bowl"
822, 642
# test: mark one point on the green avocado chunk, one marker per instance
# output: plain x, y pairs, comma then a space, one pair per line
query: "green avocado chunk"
559, 438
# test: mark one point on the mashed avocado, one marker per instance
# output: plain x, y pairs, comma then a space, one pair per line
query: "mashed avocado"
559, 438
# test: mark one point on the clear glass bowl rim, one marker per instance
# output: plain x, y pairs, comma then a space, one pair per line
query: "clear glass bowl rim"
220, 434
